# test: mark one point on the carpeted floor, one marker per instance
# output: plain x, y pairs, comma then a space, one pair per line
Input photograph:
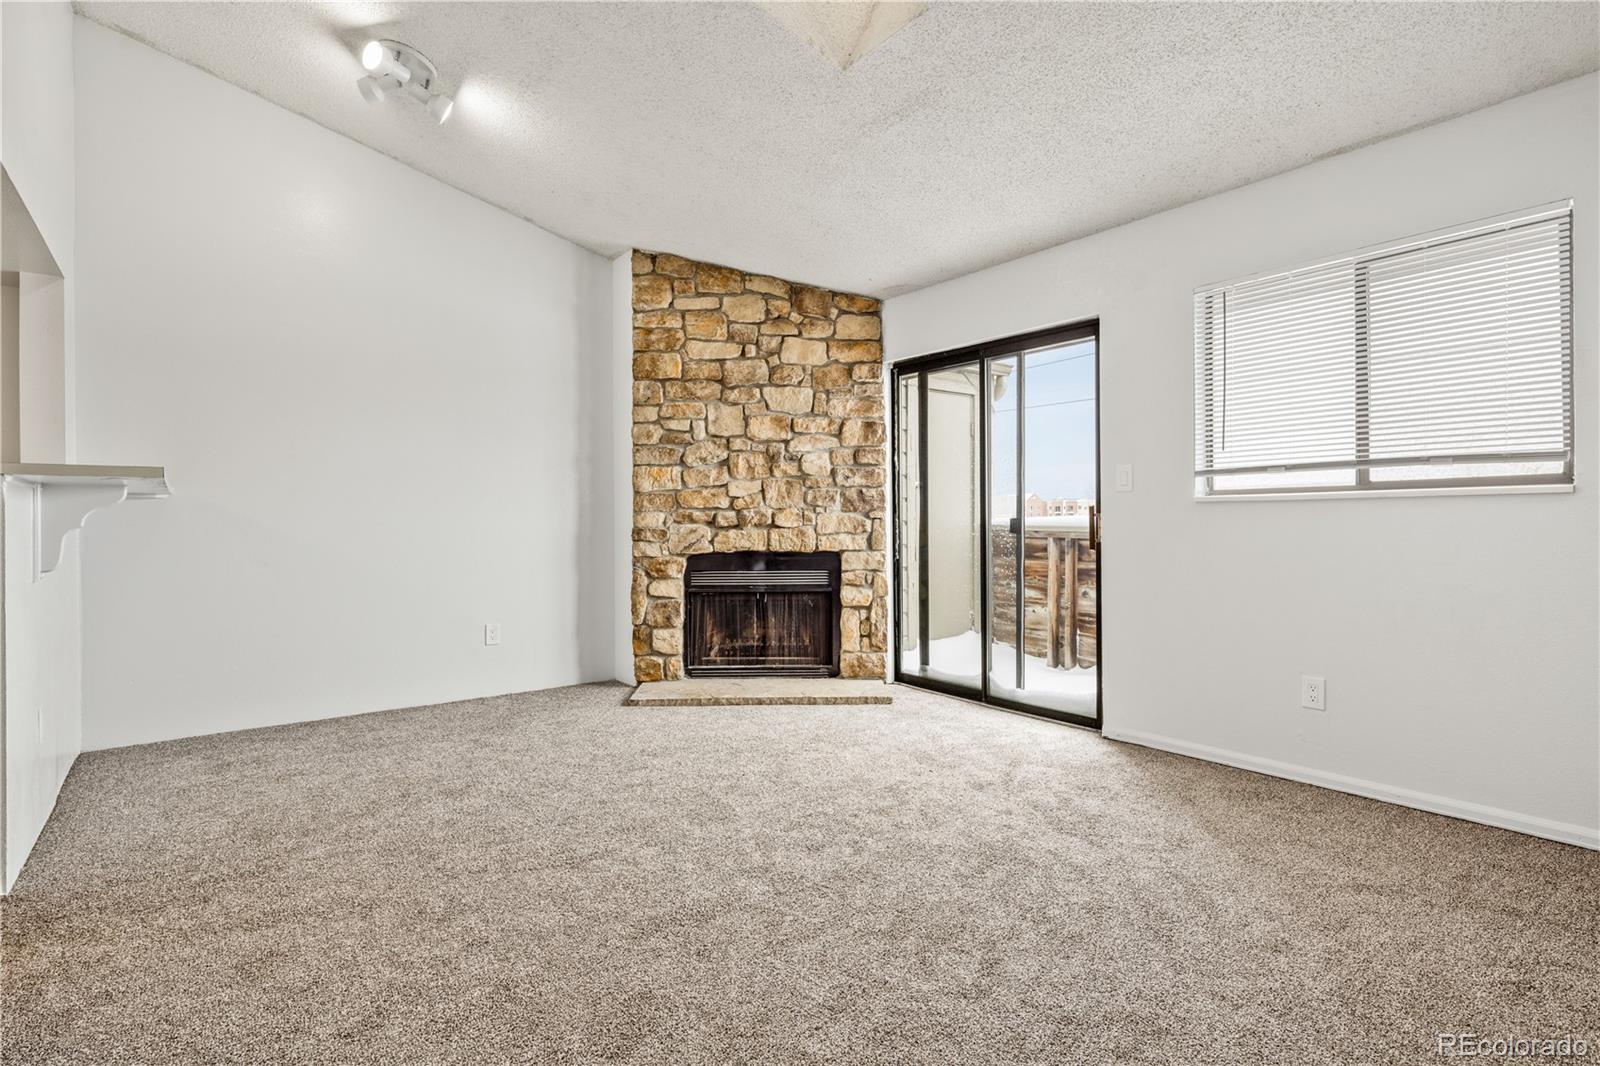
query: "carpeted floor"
553, 877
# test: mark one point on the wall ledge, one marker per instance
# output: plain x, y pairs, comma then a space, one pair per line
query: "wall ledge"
66, 494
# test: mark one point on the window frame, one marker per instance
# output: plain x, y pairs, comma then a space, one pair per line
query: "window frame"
1361, 464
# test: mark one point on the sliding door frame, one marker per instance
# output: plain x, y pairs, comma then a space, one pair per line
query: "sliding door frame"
982, 354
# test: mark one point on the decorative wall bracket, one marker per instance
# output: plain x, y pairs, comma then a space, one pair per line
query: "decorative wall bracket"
66, 494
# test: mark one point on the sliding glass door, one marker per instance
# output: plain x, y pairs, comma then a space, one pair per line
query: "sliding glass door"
941, 490
997, 538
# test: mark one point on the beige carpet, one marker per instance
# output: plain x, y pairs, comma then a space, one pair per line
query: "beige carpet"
556, 878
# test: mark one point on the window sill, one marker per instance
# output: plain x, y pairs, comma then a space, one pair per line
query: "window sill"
1373, 494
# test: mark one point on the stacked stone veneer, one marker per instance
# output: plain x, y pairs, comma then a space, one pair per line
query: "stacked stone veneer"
758, 425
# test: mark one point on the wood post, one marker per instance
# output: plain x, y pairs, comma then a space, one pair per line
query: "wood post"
1052, 599
1072, 603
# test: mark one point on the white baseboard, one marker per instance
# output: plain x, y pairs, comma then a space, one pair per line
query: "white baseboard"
1565, 832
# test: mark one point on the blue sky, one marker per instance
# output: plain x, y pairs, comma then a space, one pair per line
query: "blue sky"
1060, 426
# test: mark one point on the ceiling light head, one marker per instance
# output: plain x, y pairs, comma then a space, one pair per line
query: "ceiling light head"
386, 59
391, 65
371, 89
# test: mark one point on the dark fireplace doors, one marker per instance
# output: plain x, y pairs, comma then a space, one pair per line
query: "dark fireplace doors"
762, 614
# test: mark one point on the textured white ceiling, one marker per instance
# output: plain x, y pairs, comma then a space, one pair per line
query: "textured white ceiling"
976, 133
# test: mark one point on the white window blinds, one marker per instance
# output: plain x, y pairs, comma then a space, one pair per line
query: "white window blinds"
1436, 361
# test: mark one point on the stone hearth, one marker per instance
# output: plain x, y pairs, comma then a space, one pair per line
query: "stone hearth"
758, 425
760, 692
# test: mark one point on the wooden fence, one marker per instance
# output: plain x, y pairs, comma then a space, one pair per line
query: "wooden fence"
1059, 602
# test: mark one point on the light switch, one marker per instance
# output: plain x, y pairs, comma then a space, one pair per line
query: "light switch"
1124, 477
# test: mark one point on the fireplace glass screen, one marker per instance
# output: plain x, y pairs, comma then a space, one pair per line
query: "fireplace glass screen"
762, 613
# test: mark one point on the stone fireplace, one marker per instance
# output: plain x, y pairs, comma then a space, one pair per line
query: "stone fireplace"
758, 427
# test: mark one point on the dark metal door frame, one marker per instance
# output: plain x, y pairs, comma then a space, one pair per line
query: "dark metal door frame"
982, 355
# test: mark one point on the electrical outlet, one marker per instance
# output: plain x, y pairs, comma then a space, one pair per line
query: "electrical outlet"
491, 633
1124, 477
1313, 693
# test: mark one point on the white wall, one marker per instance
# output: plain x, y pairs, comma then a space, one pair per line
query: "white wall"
371, 397
43, 370
1459, 635
43, 724
10, 359
43, 720
593, 412
620, 382
36, 109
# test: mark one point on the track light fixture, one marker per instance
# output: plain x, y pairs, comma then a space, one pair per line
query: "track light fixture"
374, 89
391, 67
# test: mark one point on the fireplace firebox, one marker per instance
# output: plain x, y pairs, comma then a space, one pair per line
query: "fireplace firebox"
752, 614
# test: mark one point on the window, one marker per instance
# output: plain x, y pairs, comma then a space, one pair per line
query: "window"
1438, 361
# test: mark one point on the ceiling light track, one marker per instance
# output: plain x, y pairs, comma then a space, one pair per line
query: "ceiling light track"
392, 67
